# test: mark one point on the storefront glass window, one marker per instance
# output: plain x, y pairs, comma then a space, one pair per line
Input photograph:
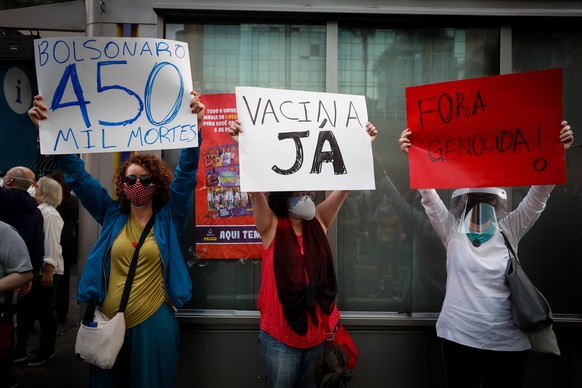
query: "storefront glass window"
388, 258
223, 57
388, 255
554, 242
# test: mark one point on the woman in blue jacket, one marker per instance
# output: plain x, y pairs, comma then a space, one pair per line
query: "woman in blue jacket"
145, 188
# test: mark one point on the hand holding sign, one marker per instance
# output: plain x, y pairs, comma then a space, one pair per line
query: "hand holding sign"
197, 107
404, 141
566, 135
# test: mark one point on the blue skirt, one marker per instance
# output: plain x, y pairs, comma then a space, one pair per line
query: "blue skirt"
148, 357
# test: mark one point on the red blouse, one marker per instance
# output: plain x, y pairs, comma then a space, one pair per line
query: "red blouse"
272, 318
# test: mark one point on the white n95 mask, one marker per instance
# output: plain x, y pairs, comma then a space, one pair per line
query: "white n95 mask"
302, 206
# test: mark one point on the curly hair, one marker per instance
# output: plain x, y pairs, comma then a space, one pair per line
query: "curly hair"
161, 176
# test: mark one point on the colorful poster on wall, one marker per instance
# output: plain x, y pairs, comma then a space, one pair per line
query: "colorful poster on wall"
225, 228
114, 95
490, 131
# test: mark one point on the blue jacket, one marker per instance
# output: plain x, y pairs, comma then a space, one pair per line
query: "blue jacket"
169, 227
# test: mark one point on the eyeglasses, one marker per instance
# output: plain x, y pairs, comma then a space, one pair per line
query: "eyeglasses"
145, 180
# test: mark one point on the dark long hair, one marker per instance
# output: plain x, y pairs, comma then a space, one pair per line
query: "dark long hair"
161, 176
277, 201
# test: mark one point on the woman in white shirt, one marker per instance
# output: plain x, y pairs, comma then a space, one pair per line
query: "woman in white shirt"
480, 344
48, 194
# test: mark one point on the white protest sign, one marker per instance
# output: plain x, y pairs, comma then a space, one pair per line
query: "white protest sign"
114, 94
297, 140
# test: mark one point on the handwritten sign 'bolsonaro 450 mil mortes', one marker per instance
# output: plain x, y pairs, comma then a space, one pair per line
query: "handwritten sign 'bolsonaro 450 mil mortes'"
114, 94
491, 131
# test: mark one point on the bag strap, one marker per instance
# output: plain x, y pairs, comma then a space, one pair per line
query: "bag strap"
509, 246
329, 332
133, 265
90, 312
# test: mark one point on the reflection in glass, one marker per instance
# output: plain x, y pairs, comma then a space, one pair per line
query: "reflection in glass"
557, 234
223, 57
390, 260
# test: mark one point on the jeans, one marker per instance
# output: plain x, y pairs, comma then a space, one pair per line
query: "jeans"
288, 367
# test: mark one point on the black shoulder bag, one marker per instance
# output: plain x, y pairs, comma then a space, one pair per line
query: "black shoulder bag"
531, 311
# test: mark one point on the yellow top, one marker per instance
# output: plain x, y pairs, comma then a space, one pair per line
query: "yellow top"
147, 292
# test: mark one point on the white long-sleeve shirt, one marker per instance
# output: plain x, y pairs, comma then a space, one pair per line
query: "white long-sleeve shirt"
476, 310
53, 227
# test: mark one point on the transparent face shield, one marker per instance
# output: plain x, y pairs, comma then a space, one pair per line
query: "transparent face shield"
478, 212
479, 218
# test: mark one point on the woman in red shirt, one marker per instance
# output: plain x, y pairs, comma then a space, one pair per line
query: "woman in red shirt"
298, 288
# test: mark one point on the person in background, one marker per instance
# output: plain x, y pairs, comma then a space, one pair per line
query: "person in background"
19, 209
347, 236
298, 287
481, 346
389, 260
146, 188
15, 271
48, 194
69, 211
427, 275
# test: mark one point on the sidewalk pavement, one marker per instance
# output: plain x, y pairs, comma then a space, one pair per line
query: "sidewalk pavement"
64, 370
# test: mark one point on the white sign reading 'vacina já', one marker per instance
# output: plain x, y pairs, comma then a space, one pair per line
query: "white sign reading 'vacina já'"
114, 94
298, 140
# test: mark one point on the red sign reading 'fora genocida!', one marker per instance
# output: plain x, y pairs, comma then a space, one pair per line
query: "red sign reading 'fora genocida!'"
492, 131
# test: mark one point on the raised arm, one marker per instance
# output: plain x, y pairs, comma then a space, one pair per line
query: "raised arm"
265, 219
327, 210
